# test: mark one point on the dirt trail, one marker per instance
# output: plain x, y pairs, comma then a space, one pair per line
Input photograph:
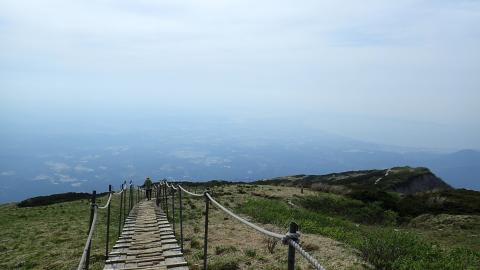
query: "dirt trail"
386, 174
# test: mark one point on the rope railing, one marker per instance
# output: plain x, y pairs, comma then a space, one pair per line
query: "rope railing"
86, 249
190, 193
305, 255
110, 198
108, 202
244, 221
163, 190
124, 189
291, 238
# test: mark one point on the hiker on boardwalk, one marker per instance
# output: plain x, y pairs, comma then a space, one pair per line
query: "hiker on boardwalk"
148, 188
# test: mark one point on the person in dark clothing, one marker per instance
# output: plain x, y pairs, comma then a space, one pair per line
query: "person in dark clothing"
148, 188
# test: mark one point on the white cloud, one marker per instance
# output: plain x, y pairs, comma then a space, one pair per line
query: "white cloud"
167, 168
7, 173
188, 154
41, 177
81, 168
197, 157
58, 167
59, 178
64, 178
117, 150
87, 158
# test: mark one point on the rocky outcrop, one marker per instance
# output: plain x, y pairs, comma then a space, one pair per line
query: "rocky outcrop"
421, 183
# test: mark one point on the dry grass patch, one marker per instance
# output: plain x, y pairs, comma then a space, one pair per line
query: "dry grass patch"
233, 245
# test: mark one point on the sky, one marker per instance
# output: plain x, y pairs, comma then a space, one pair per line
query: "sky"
392, 72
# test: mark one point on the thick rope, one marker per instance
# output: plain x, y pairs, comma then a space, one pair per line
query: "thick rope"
118, 193
286, 239
307, 256
246, 222
108, 202
289, 238
89, 239
190, 193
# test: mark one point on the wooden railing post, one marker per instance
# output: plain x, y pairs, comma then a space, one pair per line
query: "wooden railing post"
181, 218
291, 250
92, 211
125, 203
166, 198
173, 210
157, 195
108, 221
161, 196
205, 239
162, 193
131, 196
120, 211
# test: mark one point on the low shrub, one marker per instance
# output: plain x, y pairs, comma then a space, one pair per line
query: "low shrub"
224, 249
336, 189
251, 253
55, 198
271, 243
355, 210
383, 248
224, 264
195, 244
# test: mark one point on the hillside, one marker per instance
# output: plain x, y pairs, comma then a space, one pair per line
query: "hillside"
404, 180
407, 192
349, 228
51, 236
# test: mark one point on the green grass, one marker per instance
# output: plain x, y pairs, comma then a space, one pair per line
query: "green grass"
384, 248
251, 253
224, 264
449, 230
357, 180
53, 236
454, 201
354, 210
219, 250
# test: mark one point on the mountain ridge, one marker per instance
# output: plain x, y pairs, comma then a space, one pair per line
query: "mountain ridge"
405, 180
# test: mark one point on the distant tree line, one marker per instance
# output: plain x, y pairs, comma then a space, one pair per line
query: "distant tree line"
56, 198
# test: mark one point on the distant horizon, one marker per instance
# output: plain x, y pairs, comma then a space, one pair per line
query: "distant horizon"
139, 182
98, 90
391, 73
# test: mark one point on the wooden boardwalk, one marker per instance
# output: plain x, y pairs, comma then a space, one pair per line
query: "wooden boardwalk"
147, 242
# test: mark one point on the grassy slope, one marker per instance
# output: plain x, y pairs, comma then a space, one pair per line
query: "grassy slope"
384, 246
232, 244
52, 237
356, 179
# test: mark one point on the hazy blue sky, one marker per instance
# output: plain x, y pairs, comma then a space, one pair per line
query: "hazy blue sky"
394, 72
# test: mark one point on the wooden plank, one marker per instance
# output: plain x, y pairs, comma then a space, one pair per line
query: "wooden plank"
146, 242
